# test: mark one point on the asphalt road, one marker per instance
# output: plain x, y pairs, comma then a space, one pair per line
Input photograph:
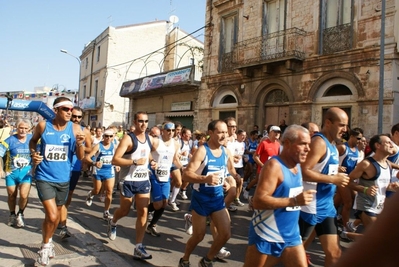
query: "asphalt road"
168, 248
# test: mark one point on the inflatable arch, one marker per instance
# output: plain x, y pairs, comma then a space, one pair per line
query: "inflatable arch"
26, 105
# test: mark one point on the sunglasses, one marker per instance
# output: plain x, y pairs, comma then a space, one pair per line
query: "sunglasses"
358, 138
142, 121
66, 109
170, 130
108, 136
76, 116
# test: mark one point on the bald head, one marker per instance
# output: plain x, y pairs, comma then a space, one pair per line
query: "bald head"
335, 114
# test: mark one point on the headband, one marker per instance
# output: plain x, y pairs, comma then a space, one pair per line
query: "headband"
109, 132
63, 103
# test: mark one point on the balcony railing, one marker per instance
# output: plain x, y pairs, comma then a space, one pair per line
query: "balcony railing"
277, 46
337, 39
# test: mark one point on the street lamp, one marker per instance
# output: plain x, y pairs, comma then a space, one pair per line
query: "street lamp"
66, 52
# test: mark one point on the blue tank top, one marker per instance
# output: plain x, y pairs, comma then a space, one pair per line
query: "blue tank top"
280, 225
209, 165
105, 156
57, 149
350, 158
76, 163
18, 154
252, 145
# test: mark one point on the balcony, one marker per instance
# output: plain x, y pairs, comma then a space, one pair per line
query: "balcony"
337, 39
274, 47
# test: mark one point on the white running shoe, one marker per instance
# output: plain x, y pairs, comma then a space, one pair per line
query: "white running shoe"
238, 203
44, 255
12, 220
223, 253
183, 194
173, 206
188, 225
141, 254
232, 208
20, 220
245, 194
351, 227
89, 199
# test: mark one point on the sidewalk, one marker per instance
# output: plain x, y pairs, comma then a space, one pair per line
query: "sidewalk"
19, 246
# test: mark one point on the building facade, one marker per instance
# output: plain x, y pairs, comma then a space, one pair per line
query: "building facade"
268, 60
124, 54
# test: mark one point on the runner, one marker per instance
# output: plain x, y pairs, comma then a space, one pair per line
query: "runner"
59, 140
274, 231
15, 149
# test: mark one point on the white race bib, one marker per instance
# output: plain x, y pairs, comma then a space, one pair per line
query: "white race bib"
56, 153
221, 179
293, 193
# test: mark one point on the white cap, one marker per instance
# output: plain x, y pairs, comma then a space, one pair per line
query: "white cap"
275, 129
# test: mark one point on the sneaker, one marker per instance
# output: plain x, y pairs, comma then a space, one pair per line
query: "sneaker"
204, 263
20, 220
102, 197
44, 255
52, 251
107, 215
173, 206
183, 263
64, 233
188, 225
89, 199
152, 230
238, 203
222, 254
232, 208
12, 220
343, 236
245, 195
350, 226
183, 194
111, 230
141, 254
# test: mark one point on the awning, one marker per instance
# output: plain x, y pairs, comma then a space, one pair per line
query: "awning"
179, 114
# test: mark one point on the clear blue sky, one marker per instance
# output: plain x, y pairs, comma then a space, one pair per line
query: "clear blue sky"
33, 32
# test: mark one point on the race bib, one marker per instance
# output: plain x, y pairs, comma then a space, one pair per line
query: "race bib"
106, 160
332, 169
140, 173
221, 179
56, 153
293, 193
162, 173
20, 162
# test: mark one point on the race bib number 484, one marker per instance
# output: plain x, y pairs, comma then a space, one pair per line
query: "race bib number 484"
56, 153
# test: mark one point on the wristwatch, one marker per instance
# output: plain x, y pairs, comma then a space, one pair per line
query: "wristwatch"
135, 161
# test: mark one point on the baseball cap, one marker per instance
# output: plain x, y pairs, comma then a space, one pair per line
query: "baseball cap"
275, 129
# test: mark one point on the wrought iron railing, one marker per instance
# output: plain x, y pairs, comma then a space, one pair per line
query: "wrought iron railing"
277, 46
337, 39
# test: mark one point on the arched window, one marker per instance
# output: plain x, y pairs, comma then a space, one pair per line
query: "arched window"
228, 99
338, 90
276, 96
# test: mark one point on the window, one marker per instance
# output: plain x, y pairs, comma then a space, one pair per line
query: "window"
229, 33
84, 91
228, 99
98, 53
95, 87
336, 26
86, 63
338, 90
273, 16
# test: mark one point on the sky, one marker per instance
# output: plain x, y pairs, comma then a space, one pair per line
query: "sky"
34, 32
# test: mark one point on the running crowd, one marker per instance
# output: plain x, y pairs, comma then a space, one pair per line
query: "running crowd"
307, 181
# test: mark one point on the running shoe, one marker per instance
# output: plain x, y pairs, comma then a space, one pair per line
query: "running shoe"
64, 233
89, 199
205, 263
238, 203
173, 206
52, 251
111, 230
232, 208
20, 220
183, 194
107, 215
245, 195
222, 254
188, 225
183, 263
152, 230
44, 255
141, 254
12, 220
350, 226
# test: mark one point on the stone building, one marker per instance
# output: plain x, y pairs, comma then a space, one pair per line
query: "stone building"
267, 60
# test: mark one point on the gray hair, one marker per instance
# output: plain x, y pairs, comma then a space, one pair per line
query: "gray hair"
19, 121
291, 133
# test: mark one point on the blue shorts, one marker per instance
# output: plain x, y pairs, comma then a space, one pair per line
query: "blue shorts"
270, 248
131, 188
100, 177
19, 176
74, 180
204, 204
159, 190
